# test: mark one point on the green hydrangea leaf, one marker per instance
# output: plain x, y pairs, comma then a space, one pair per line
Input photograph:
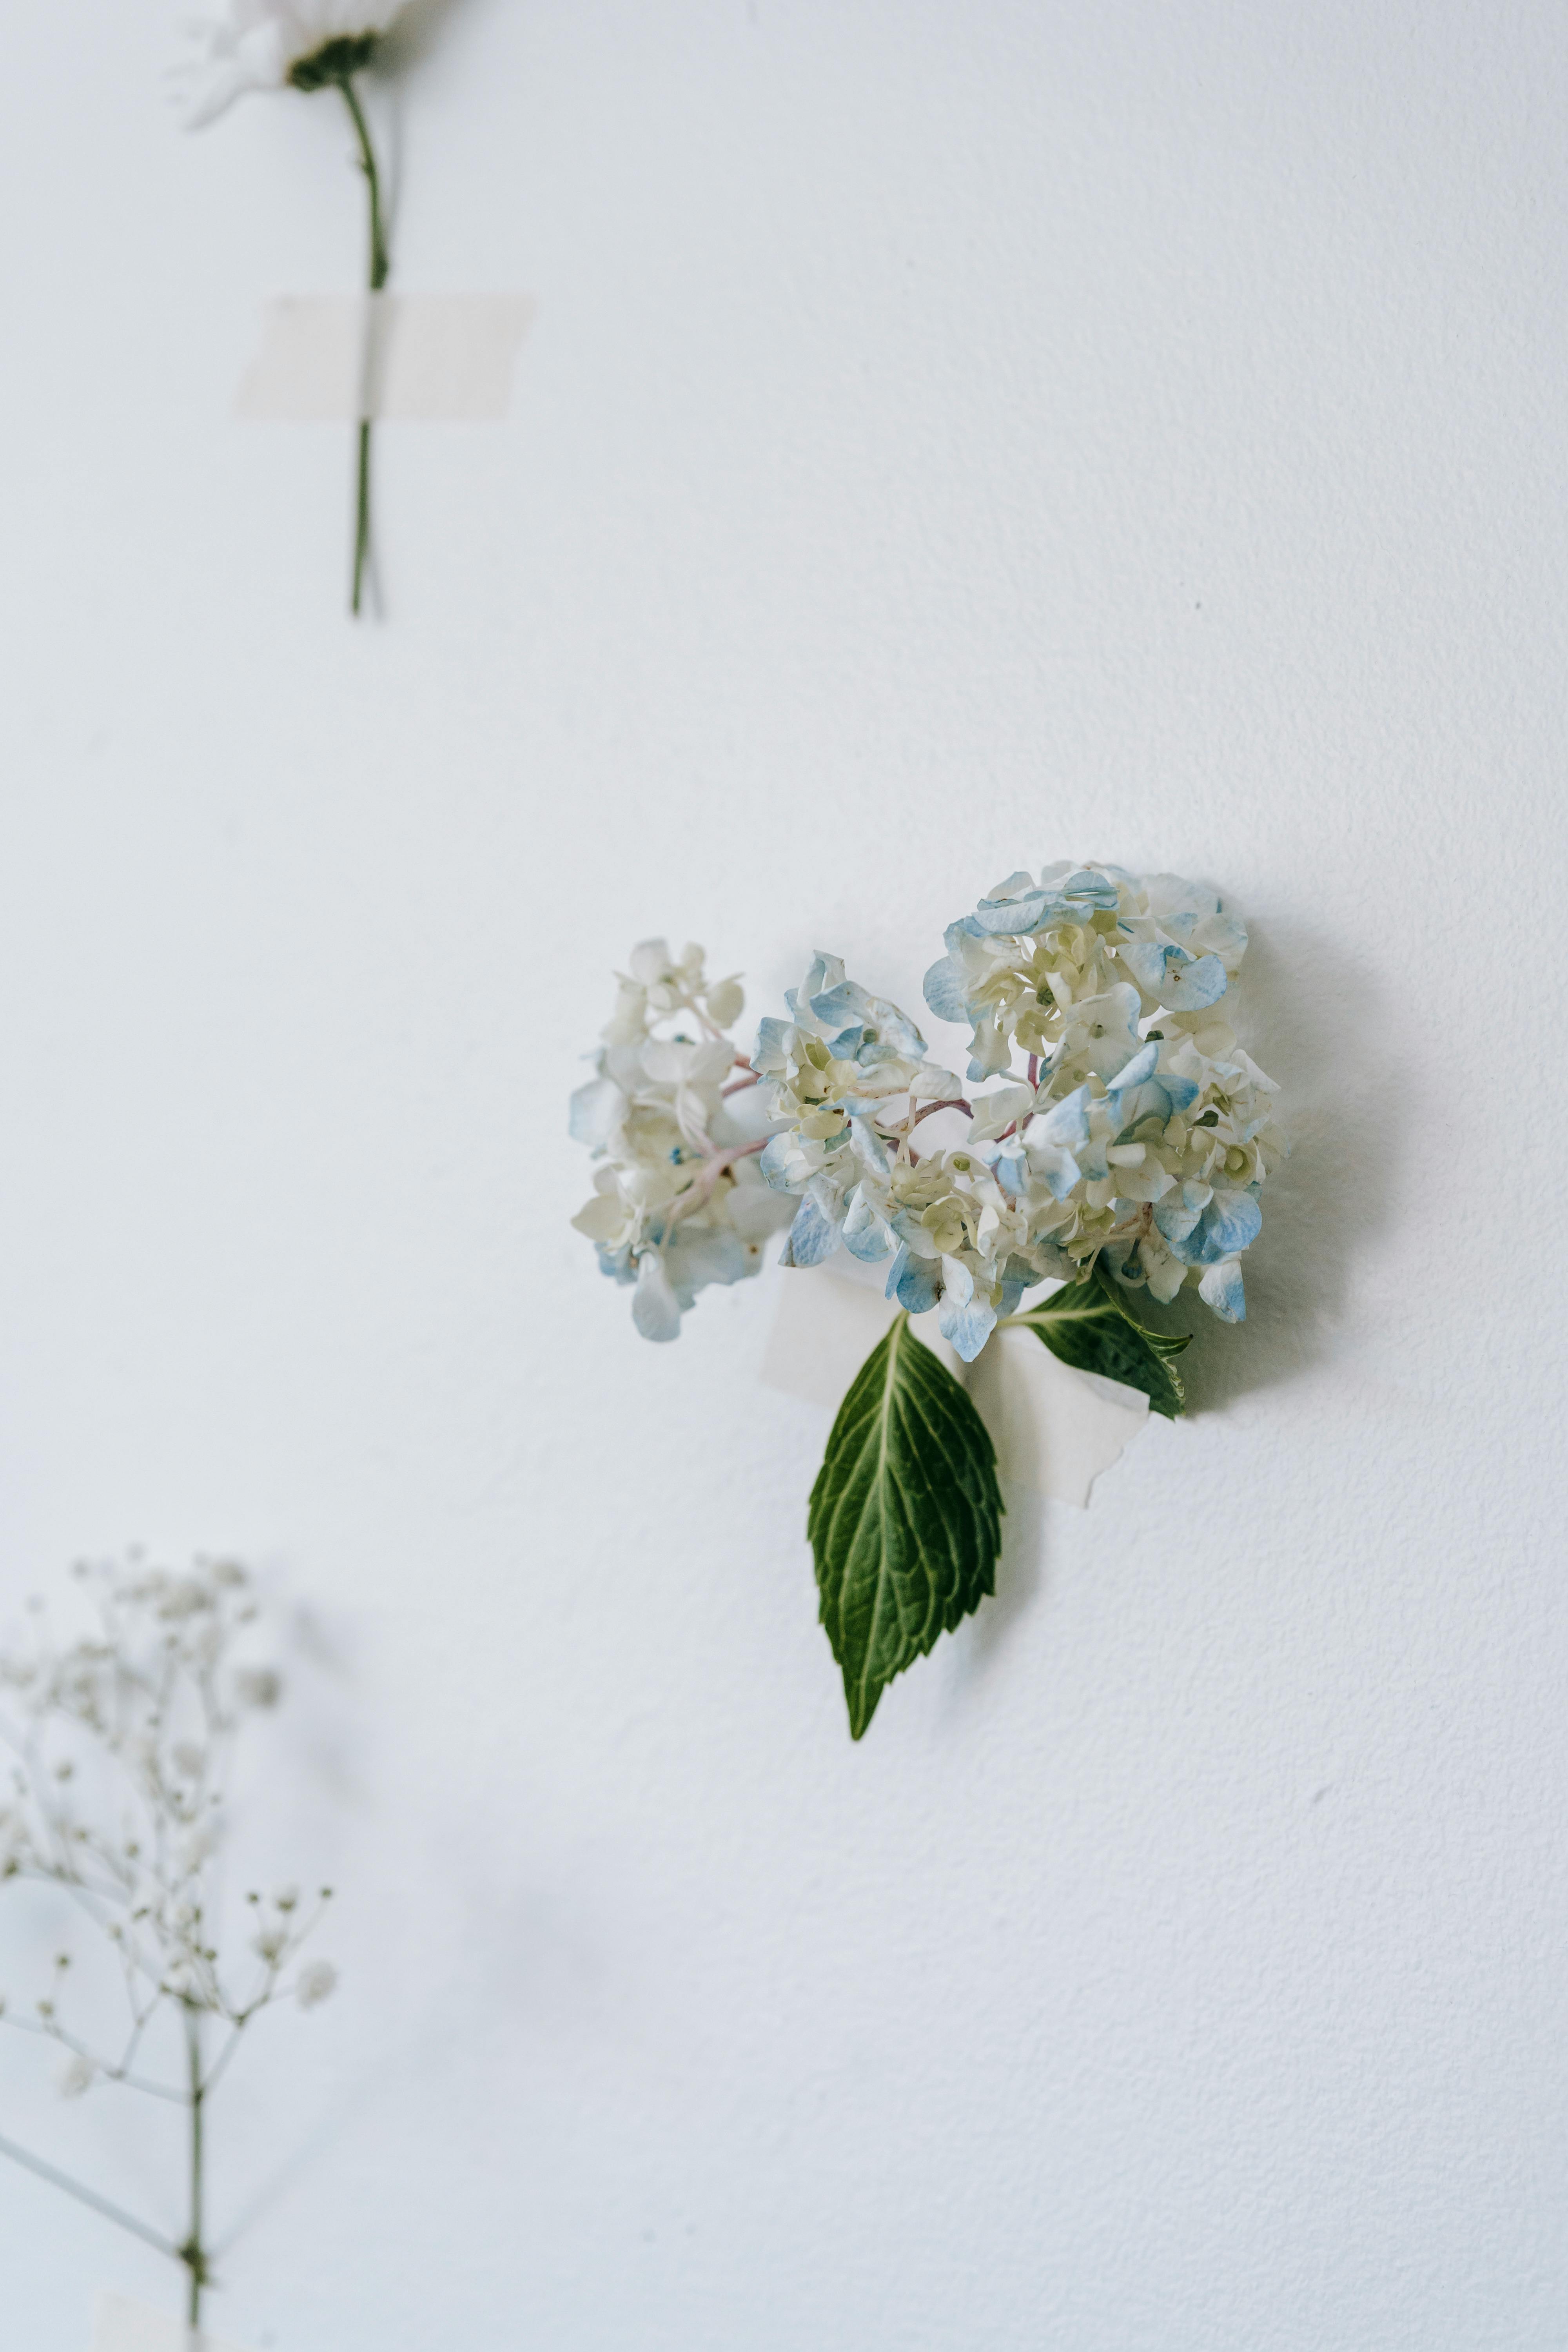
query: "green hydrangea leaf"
905, 1519
1088, 1326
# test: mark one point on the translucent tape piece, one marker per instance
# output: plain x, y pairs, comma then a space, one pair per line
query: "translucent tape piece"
1055, 1429
336, 357
121, 2326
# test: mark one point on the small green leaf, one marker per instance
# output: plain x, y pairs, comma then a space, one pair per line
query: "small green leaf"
905, 1519
1089, 1327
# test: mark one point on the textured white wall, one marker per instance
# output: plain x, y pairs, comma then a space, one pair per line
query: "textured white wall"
953, 437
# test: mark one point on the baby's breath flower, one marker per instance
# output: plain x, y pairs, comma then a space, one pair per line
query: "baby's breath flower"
257, 1686
316, 1982
134, 1700
78, 2075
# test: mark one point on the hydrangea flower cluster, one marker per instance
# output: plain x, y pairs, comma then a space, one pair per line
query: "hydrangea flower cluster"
1142, 1132
1138, 1133
1109, 1135
678, 1117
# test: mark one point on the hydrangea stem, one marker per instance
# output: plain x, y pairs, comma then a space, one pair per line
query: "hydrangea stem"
380, 266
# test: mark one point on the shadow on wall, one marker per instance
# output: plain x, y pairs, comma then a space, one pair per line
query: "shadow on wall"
1021, 1572
418, 31
1311, 1016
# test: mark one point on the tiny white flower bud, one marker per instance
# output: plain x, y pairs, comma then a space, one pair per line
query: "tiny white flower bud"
78, 2076
257, 1686
315, 1983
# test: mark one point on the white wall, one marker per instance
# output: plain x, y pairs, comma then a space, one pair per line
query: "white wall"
953, 436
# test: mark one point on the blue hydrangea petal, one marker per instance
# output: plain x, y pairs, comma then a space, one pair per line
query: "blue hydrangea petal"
915, 1283
1177, 1222
1059, 1170
772, 1043
1222, 1290
967, 1328
813, 1236
1232, 1221
1006, 918
1065, 1125
865, 1236
593, 1112
1197, 985
945, 986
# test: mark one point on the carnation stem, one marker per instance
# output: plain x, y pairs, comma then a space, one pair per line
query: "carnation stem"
380, 267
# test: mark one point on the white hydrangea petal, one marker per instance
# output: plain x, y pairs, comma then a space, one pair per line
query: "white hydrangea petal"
994, 1113
603, 1219
649, 960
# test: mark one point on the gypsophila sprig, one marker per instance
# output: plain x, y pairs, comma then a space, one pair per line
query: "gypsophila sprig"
1115, 1139
239, 45
122, 1739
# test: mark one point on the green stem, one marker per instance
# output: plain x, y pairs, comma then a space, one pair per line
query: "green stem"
193, 2254
379, 270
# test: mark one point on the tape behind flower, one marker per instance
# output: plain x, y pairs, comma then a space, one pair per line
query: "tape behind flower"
1055, 1429
398, 358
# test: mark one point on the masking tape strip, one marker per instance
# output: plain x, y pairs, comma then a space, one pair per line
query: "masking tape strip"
121, 2326
393, 358
1055, 1429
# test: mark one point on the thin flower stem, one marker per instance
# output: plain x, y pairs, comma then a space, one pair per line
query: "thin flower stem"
110, 2213
220, 2063
193, 2253
379, 270
111, 2072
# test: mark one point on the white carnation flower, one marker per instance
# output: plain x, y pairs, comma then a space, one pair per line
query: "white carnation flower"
245, 45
